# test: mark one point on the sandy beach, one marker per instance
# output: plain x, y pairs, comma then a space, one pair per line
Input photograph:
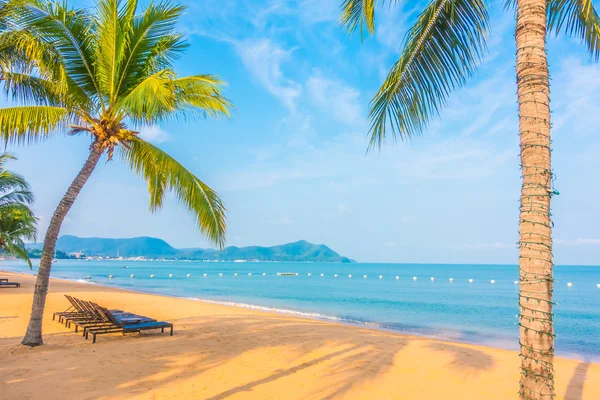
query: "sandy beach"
223, 352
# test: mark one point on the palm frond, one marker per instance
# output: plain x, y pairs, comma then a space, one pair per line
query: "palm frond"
163, 95
441, 51
152, 44
69, 31
359, 14
578, 18
163, 173
29, 89
31, 123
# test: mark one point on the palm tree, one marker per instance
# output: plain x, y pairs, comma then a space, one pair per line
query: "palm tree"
104, 73
440, 52
17, 222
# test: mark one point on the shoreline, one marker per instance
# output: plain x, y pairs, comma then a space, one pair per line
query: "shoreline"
315, 316
225, 352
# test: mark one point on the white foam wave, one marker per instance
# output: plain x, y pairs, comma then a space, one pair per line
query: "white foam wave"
287, 311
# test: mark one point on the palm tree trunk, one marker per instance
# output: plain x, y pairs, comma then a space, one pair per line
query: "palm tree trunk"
535, 229
33, 336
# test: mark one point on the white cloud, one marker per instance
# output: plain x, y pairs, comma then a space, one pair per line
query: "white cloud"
577, 242
316, 11
264, 59
154, 133
342, 101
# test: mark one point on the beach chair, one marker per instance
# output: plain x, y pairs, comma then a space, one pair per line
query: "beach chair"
100, 321
120, 327
77, 310
5, 283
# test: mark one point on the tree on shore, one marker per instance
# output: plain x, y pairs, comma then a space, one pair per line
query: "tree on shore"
17, 221
105, 73
440, 52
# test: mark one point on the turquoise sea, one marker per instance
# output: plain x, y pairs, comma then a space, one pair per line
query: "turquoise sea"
479, 312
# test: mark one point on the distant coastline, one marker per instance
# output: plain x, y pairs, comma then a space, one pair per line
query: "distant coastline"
148, 248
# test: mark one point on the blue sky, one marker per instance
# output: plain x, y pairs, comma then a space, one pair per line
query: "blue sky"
291, 164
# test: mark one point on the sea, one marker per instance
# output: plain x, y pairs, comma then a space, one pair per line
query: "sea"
418, 299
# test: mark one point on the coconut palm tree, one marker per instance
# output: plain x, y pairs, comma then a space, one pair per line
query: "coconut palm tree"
441, 50
104, 73
17, 222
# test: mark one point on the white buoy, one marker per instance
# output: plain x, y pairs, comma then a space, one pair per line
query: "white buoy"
322, 274
189, 275
151, 276
235, 274
397, 277
380, 276
364, 276
598, 286
205, 275
349, 276
249, 273
492, 281
335, 276
264, 274
414, 278
516, 282
221, 274
110, 277
451, 279
309, 274
170, 275
569, 284
132, 276
432, 279
470, 280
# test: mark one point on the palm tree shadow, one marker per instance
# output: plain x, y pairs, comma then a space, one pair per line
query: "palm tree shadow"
575, 387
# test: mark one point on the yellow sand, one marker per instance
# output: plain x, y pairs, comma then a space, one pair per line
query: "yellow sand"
221, 352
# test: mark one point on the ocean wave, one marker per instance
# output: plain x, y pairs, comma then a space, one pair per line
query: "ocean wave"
84, 281
288, 311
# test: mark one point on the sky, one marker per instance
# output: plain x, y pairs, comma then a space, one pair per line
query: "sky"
291, 162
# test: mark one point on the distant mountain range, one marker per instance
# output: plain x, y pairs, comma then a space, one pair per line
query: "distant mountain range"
157, 248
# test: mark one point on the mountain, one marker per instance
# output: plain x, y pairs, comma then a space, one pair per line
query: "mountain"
157, 248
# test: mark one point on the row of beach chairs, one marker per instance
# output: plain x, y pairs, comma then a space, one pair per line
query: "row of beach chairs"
96, 320
5, 283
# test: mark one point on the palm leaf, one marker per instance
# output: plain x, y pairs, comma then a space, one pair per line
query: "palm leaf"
441, 51
579, 19
359, 13
163, 173
31, 123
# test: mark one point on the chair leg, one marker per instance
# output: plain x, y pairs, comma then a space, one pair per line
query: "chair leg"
162, 330
94, 337
171, 330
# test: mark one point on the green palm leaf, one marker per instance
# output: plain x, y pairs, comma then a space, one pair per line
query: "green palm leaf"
163, 173
578, 18
441, 51
31, 123
359, 13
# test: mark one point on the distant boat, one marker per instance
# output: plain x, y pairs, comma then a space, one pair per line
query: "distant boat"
286, 274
